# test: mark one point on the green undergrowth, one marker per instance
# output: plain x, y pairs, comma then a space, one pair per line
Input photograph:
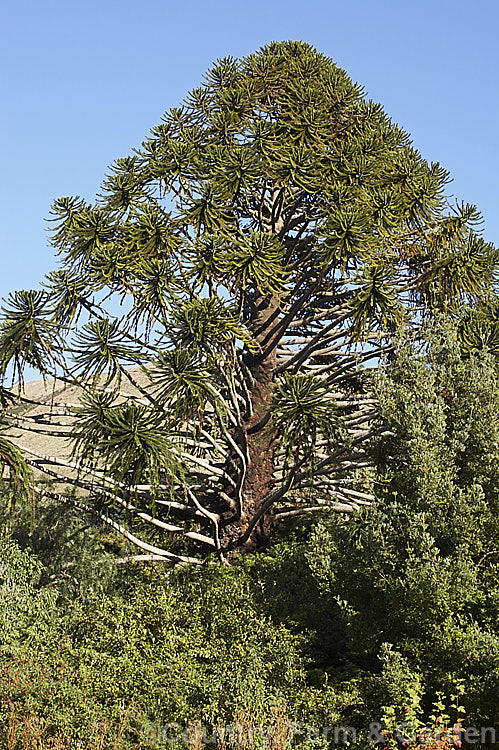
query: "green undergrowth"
347, 625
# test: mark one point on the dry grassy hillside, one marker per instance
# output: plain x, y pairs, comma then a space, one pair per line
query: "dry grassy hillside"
41, 421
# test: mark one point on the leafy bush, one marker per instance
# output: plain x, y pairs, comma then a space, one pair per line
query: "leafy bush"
195, 647
419, 569
26, 610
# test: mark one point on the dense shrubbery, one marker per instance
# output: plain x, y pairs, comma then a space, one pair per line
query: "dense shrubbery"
186, 646
339, 624
419, 570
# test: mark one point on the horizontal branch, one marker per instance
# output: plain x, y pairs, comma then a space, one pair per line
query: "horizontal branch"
164, 554
334, 506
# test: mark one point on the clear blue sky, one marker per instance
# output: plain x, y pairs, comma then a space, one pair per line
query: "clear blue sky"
82, 83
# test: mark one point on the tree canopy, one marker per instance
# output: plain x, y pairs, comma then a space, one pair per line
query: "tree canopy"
237, 272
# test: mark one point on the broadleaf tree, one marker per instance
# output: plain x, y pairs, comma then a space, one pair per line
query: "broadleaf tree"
240, 271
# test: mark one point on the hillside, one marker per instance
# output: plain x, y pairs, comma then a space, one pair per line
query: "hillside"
41, 421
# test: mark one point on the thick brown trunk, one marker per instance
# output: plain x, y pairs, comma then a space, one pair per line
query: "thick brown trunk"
260, 435
261, 448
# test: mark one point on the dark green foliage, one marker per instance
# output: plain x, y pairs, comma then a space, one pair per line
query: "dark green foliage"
376, 301
129, 438
99, 349
419, 569
188, 646
184, 381
479, 329
18, 484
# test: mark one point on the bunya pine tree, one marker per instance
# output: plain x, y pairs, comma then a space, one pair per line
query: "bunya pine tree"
239, 274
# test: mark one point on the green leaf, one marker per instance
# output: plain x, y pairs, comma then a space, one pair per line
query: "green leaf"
182, 383
207, 325
375, 304
18, 472
259, 262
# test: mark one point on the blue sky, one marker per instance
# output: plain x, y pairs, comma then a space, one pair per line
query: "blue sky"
82, 83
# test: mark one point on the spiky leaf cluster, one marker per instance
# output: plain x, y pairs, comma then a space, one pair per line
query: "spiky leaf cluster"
28, 335
304, 413
15, 471
128, 440
479, 329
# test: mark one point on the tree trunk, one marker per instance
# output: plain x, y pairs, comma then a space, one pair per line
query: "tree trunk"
260, 434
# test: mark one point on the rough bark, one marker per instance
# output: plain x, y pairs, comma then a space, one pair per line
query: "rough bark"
260, 435
261, 448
